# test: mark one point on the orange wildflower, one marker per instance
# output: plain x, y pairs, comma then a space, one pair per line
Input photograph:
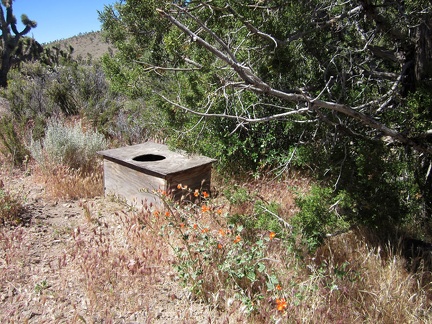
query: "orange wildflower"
196, 193
156, 213
182, 225
205, 230
179, 186
205, 194
219, 246
222, 232
167, 213
272, 235
205, 208
281, 304
219, 211
237, 239
195, 226
278, 287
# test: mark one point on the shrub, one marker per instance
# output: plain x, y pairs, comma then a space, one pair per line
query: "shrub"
11, 142
252, 212
37, 90
319, 214
68, 145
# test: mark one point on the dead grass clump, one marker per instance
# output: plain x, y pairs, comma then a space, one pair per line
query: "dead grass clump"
119, 266
62, 182
358, 283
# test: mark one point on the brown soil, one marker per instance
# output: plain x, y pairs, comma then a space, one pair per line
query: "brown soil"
47, 264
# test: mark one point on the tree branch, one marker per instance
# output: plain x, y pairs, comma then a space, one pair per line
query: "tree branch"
254, 83
242, 119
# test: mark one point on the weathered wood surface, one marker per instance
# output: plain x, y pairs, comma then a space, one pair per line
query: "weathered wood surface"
196, 178
173, 163
130, 184
127, 178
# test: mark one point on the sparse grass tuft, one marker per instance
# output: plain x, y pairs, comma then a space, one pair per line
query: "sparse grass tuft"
65, 183
11, 207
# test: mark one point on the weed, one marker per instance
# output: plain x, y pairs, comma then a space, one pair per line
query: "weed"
41, 286
219, 259
11, 208
318, 215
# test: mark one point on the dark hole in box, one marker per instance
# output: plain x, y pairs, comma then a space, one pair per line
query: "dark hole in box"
148, 158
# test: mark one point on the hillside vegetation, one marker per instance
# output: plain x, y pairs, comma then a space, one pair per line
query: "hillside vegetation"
321, 194
85, 44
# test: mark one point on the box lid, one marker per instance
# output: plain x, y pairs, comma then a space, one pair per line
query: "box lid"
156, 159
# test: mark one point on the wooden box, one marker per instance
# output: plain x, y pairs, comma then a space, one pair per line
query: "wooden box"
136, 172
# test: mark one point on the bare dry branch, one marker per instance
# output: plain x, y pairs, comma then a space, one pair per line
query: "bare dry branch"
239, 118
254, 83
161, 68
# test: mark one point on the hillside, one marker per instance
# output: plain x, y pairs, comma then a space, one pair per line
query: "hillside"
84, 44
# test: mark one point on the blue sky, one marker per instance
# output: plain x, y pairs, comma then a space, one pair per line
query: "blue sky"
58, 19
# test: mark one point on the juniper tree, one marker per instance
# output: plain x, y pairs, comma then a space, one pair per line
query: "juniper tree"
10, 37
338, 87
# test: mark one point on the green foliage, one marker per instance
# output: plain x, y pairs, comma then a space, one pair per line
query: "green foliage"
45, 92
324, 50
238, 195
320, 214
219, 257
60, 95
70, 146
37, 92
137, 122
40, 287
251, 212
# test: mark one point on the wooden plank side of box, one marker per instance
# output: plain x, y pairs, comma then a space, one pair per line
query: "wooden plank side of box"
196, 178
129, 183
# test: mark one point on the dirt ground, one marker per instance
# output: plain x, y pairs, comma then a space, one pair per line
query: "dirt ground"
50, 273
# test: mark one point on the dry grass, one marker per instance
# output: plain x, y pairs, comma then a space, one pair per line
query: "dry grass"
113, 264
62, 182
349, 282
101, 265
351, 278
116, 273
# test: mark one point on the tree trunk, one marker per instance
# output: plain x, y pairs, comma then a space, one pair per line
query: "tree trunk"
423, 59
5, 67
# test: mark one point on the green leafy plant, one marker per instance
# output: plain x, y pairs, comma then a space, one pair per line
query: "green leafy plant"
41, 286
215, 257
319, 215
252, 212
